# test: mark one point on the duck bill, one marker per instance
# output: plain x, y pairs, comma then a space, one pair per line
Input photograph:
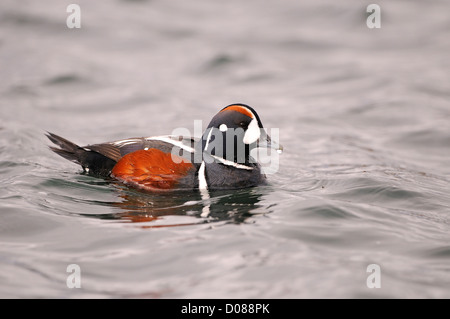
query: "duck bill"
266, 141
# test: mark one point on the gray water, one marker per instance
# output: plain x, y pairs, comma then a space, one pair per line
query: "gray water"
363, 116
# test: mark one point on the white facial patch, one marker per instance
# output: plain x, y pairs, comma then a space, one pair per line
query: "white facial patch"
253, 132
223, 127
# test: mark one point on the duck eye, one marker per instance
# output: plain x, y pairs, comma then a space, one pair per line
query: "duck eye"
243, 124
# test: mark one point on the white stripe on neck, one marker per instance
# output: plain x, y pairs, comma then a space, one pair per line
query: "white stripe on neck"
203, 188
208, 138
231, 163
202, 184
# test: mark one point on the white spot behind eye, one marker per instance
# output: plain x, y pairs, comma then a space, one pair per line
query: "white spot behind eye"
223, 127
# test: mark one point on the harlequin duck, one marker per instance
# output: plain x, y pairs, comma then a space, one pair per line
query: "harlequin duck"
219, 160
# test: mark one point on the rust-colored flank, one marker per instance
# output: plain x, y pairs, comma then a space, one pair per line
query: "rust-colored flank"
151, 169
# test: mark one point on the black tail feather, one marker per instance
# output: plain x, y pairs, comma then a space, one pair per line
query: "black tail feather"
67, 149
61, 142
91, 161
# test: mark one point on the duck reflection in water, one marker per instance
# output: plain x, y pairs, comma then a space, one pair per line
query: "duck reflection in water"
223, 206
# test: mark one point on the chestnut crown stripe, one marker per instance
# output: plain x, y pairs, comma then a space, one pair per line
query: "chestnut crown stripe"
240, 109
